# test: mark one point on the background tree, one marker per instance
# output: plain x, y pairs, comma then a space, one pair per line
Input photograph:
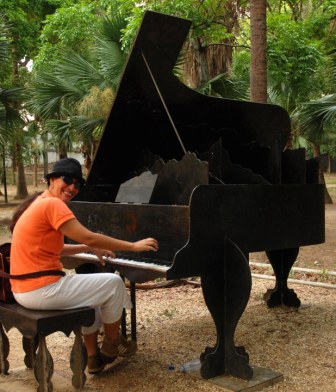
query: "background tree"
74, 98
317, 121
23, 20
258, 68
76, 72
209, 47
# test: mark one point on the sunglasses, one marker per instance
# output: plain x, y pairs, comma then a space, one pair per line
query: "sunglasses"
69, 181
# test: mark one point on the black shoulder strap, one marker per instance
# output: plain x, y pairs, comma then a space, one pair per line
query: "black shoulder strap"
36, 274
5, 251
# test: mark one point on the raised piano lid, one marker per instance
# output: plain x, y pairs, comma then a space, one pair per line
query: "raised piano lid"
155, 115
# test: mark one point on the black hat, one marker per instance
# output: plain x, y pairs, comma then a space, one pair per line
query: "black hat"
67, 167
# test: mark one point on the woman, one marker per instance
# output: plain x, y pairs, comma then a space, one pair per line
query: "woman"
38, 229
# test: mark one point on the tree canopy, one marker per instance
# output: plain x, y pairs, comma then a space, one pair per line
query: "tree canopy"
67, 56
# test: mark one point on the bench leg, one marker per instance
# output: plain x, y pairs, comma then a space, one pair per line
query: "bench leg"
4, 351
78, 360
44, 367
30, 347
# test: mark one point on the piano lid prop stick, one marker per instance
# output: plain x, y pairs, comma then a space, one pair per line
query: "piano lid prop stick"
168, 114
164, 104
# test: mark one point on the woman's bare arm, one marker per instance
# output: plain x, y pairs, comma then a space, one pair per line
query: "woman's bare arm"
74, 230
70, 249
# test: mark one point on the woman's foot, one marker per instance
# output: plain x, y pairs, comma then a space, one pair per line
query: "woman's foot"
96, 363
120, 347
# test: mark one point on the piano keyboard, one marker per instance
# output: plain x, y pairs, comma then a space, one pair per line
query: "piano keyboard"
124, 262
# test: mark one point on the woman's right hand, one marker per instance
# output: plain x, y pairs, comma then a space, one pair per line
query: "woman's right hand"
146, 245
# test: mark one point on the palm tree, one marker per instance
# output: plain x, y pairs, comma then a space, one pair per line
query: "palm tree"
316, 120
4, 46
10, 118
74, 100
10, 121
258, 51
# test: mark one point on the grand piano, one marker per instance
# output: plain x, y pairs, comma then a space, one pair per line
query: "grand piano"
209, 178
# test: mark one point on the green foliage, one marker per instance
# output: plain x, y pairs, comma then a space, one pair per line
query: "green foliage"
79, 48
73, 99
225, 87
207, 17
4, 52
293, 63
293, 59
71, 28
241, 65
108, 46
4, 43
317, 119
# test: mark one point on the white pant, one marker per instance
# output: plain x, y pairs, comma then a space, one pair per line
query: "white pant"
106, 292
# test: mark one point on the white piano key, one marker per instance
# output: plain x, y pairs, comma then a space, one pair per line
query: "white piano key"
124, 262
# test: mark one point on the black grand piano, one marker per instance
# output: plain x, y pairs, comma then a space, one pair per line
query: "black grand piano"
210, 178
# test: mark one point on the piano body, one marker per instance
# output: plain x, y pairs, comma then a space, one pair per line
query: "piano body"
215, 185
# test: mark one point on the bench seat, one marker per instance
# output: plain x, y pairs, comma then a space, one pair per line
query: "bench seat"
35, 325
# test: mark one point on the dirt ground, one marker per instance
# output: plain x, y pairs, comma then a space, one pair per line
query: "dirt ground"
174, 326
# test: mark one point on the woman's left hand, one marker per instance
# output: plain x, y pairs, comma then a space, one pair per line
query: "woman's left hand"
100, 253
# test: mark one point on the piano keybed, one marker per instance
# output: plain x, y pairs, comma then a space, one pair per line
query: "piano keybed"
141, 267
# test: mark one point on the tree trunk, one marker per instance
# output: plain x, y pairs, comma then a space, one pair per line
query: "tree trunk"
44, 137
258, 78
327, 197
329, 164
63, 152
195, 64
45, 163
204, 61
14, 168
35, 170
4, 177
21, 190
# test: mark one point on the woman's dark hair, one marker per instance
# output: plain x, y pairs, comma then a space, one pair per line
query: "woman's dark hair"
21, 209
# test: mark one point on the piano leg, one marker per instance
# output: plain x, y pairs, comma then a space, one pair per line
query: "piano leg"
282, 261
133, 313
226, 289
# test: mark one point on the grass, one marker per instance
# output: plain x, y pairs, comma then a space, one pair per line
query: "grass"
330, 178
3, 230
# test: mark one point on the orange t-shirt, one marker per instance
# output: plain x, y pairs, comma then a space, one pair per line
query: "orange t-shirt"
37, 243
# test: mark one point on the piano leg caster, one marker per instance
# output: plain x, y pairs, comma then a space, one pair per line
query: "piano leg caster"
226, 292
235, 363
282, 261
274, 298
229, 363
210, 350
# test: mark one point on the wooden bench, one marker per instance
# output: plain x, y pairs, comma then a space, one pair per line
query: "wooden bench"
35, 326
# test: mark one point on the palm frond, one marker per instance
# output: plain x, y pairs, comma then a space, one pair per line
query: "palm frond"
50, 92
8, 95
60, 131
301, 142
77, 70
224, 87
2, 113
86, 127
111, 60
319, 113
10, 116
112, 26
4, 42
